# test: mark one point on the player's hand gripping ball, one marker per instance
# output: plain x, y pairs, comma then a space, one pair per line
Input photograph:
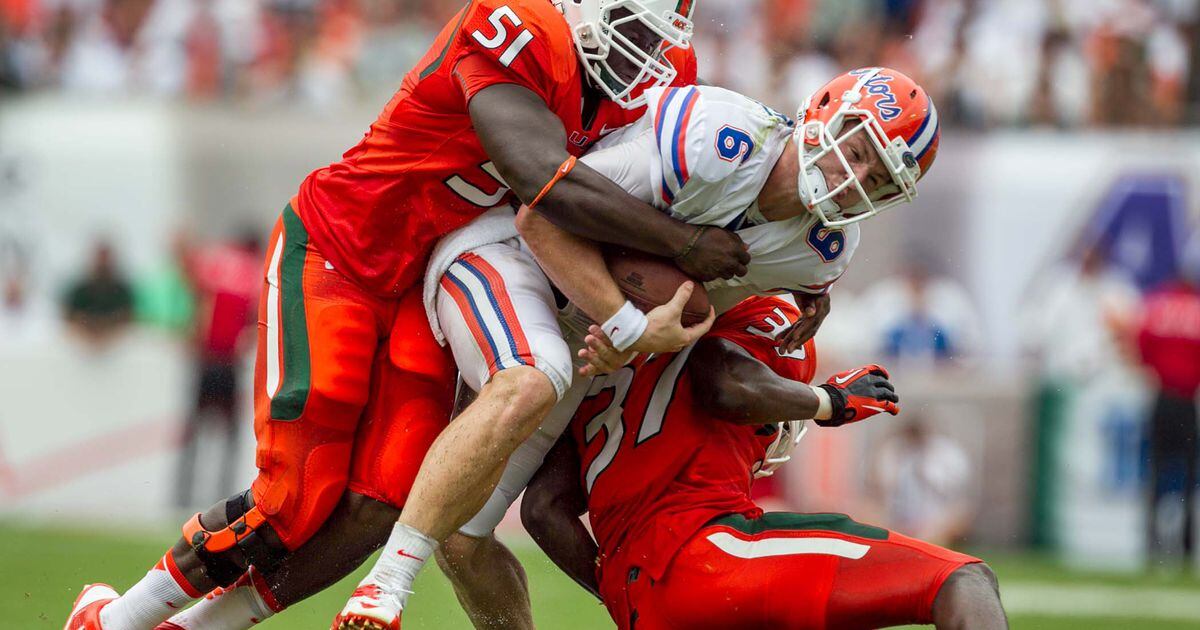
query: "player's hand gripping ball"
859, 394
650, 281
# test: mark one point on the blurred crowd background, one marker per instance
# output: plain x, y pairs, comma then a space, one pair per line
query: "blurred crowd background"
1039, 304
1060, 63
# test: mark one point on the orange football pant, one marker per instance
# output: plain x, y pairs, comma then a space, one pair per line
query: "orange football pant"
329, 355
784, 570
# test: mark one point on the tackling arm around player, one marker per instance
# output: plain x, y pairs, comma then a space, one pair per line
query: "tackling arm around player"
711, 558
339, 294
495, 307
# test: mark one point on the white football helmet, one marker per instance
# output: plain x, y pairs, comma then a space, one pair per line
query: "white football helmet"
617, 55
780, 451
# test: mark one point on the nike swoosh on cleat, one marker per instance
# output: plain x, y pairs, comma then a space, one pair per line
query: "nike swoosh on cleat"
841, 380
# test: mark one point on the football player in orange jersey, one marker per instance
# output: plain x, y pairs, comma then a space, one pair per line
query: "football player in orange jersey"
493, 115
662, 455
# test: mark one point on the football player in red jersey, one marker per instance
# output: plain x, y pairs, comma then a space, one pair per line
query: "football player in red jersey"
662, 455
493, 114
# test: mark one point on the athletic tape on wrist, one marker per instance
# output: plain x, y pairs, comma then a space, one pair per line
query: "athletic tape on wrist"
824, 404
626, 327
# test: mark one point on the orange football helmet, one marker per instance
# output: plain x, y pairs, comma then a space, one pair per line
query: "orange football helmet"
901, 122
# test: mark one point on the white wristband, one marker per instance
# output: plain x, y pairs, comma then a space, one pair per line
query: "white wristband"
626, 327
824, 404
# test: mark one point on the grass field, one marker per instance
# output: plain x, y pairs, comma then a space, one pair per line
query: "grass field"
42, 568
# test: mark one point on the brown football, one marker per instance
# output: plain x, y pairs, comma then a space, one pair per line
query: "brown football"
649, 281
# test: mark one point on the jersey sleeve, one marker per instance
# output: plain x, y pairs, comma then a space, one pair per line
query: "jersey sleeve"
686, 65
521, 42
685, 142
757, 324
805, 257
625, 157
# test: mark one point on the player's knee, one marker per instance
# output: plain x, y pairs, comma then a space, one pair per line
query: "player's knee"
223, 542
523, 396
981, 573
971, 580
369, 518
534, 508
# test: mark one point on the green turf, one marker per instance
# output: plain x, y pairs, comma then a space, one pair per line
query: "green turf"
42, 568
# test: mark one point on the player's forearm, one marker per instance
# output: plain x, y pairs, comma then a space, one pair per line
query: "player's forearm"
575, 265
590, 205
737, 387
527, 143
765, 399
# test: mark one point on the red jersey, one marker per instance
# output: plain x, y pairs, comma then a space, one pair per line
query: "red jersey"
655, 466
420, 171
1169, 338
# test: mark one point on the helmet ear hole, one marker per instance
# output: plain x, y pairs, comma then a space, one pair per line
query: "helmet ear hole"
824, 100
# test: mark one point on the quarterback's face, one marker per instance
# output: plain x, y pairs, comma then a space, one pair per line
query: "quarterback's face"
864, 161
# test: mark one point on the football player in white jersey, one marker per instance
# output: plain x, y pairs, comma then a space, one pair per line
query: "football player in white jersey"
794, 192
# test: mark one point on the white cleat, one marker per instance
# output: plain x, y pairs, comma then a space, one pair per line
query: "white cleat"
369, 608
85, 614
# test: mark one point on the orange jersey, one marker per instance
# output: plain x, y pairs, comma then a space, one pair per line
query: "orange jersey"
420, 171
655, 466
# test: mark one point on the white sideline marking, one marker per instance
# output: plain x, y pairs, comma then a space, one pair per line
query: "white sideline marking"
1058, 600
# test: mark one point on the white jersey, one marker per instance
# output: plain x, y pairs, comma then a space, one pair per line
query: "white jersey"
703, 154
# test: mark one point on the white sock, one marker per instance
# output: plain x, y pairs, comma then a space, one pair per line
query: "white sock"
405, 553
238, 607
151, 601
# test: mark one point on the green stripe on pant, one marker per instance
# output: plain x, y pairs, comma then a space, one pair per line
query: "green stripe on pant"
792, 521
288, 403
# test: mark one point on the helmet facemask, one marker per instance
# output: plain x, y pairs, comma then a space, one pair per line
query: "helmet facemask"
817, 139
787, 436
605, 36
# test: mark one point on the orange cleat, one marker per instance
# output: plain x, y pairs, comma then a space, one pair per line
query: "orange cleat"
85, 614
369, 608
